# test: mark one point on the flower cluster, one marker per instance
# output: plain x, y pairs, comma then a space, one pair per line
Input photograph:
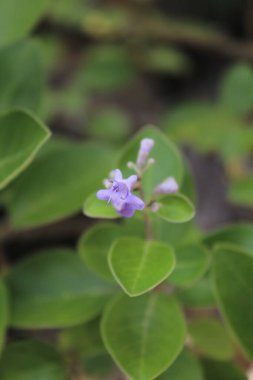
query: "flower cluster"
119, 190
119, 194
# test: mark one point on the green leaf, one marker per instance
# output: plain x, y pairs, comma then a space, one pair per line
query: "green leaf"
27, 134
54, 289
236, 234
95, 208
110, 124
21, 76
30, 360
233, 278
144, 335
210, 337
84, 340
175, 234
99, 367
107, 68
185, 367
201, 295
61, 178
94, 245
175, 208
3, 313
241, 191
165, 59
221, 371
168, 161
17, 18
237, 88
139, 265
192, 261
208, 128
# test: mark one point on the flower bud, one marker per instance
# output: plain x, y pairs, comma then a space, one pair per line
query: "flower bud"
169, 186
145, 148
154, 207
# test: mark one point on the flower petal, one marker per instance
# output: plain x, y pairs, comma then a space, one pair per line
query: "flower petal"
103, 195
130, 181
136, 202
127, 211
118, 175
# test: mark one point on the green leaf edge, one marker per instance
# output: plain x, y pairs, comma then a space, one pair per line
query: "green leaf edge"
150, 288
187, 200
107, 346
117, 216
201, 273
22, 167
230, 329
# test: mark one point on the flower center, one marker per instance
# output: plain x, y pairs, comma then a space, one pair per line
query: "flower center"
121, 189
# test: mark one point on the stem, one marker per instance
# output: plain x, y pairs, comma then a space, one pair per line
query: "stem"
147, 220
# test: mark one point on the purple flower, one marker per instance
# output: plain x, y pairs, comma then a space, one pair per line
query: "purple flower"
145, 148
169, 186
119, 193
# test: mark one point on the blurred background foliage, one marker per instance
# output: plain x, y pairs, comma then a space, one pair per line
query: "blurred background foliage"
98, 71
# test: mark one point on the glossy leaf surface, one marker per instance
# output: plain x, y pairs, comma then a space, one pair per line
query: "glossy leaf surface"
186, 366
175, 208
61, 178
233, 278
27, 134
144, 335
210, 337
54, 289
139, 265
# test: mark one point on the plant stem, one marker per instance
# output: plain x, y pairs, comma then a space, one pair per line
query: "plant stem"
147, 220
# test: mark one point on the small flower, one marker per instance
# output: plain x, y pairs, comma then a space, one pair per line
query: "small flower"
143, 162
145, 148
119, 194
169, 186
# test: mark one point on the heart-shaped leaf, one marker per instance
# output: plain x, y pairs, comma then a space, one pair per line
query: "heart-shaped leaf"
210, 337
144, 335
233, 278
16, 24
27, 134
61, 178
21, 76
168, 161
185, 367
140, 265
30, 360
95, 208
191, 263
175, 208
54, 289
3, 313
94, 245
